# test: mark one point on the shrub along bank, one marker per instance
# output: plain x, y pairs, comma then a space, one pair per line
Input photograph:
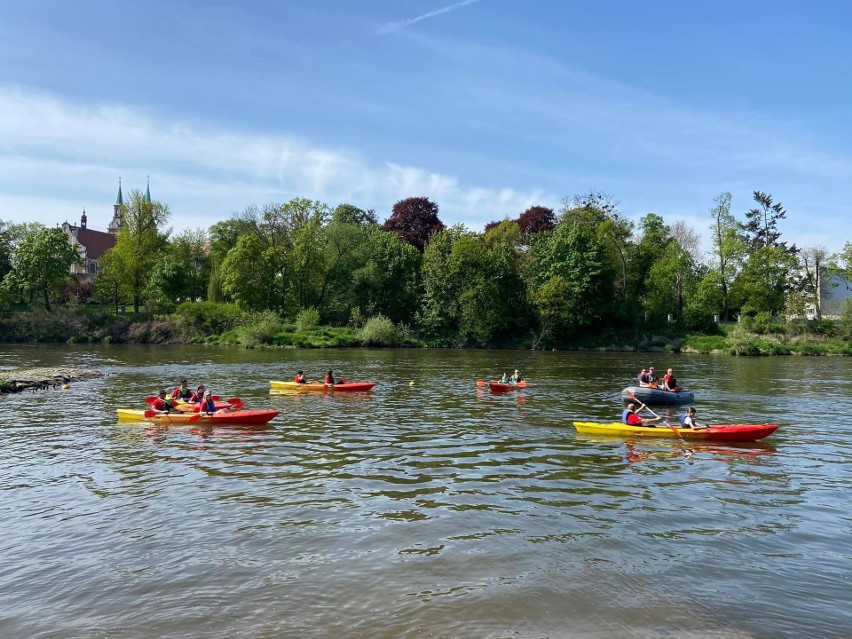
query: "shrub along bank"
213, 323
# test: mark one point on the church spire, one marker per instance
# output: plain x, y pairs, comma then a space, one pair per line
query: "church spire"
115, 223
148, 191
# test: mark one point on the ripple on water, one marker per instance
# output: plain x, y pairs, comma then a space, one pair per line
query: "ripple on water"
437, 509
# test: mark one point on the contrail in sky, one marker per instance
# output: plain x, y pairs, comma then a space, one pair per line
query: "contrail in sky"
402, 24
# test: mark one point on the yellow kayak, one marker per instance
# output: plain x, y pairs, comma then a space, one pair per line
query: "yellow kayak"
319, 386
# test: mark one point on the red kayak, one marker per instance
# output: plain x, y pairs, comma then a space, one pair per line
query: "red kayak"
245, 417
497, 387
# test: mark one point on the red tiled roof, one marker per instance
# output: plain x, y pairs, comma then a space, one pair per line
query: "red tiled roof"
96, 242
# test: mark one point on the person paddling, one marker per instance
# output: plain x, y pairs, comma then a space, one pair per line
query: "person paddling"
688, 420
516, 377
300, 378
162, 404
329, 378
631, 417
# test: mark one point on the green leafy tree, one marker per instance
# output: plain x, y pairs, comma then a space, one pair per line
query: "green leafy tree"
309, 258
728, 248
41, 266
388, 279
575, 253
602, 211
767, 275
108, 285
183, 270
139, 245
462, 298
249, 272
351, 214
763, 283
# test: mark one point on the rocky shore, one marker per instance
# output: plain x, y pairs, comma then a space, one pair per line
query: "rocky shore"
43, 378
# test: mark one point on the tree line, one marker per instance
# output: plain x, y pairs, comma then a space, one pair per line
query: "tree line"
550, 275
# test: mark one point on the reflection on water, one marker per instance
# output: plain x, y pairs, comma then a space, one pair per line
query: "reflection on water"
438, 509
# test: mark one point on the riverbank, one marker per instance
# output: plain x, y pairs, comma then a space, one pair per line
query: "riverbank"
35, 379
267, 330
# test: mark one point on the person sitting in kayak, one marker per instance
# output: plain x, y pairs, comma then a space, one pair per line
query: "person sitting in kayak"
630, 416
183, 391
504, 379
688, 420
198, 395
207, 404
300, 378
163, 404
516, 377
670, 383
329, 378
643, 378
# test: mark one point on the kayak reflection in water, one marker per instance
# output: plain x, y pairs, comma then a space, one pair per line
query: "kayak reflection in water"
631, 417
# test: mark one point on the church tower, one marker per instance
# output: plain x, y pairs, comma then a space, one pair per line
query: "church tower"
115, 223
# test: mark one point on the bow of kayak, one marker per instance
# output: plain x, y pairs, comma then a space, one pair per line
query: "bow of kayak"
716, 432
320, 387
243, 417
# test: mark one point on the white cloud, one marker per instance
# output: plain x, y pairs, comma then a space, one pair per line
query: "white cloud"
76, 153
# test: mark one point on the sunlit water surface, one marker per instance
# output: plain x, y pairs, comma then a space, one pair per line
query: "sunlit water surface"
426, 508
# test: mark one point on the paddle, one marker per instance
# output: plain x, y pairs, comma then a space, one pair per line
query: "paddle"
686, 452
152, 413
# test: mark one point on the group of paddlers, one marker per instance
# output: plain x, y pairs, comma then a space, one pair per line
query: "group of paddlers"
647, 378
631, 417
183, 394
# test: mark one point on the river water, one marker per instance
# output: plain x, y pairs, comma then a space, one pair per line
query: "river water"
426, 508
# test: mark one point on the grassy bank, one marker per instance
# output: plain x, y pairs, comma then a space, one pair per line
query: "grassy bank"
208, 323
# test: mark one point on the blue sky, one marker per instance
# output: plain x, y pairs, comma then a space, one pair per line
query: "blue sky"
486, 106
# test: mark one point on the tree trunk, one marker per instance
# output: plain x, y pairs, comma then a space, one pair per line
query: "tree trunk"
679, 284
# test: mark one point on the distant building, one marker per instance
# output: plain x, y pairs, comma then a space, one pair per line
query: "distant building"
833, 294
91, 244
